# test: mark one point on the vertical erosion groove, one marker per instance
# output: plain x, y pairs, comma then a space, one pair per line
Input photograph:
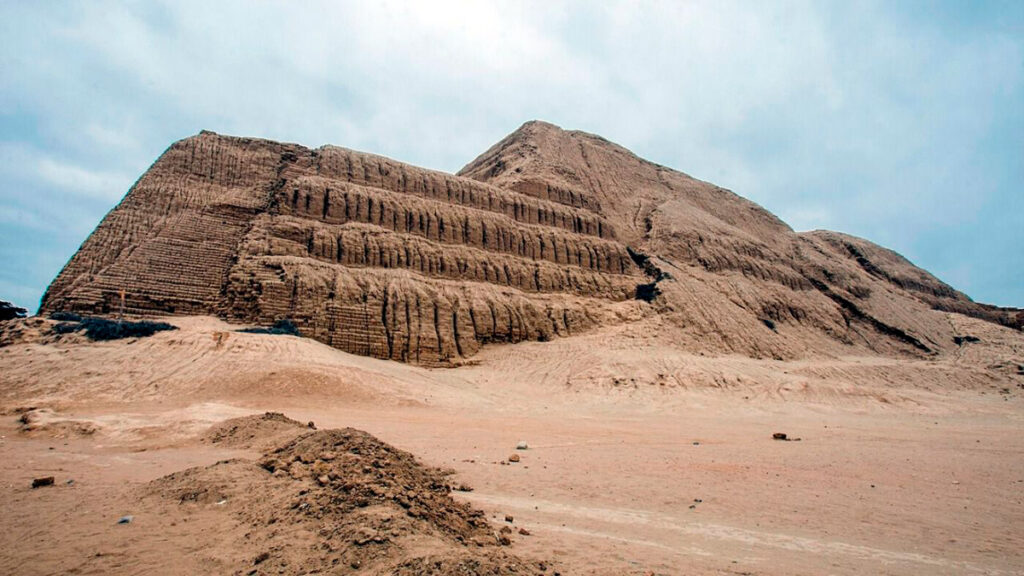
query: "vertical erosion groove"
455, 330
407, 353
437, 331
339, 241
388, 336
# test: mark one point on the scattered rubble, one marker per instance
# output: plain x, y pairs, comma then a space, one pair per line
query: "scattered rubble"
370, 505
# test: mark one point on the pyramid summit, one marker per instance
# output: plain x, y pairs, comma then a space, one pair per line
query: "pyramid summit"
547, 234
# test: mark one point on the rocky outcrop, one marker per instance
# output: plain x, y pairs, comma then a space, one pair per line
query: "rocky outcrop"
9, 311
546, 234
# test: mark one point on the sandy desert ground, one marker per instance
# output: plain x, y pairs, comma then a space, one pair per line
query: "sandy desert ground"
642, 459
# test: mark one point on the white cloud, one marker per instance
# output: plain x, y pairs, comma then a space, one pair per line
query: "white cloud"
832, 115
20, 163
98, 184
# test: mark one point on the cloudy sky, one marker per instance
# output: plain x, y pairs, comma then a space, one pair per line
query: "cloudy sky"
902, 122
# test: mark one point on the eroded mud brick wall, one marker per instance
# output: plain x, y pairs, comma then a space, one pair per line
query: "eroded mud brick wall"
365, 254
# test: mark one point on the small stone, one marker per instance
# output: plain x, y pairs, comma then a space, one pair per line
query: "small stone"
364, 536
509, 518
125, 519
321, 468
40, 482
524, 531
504, 541
522, 445
779, 436
311, 425
323, 480
505, 530
513, 458
261, 557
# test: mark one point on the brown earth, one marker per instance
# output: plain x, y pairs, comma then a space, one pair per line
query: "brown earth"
337, 501
642, 457
547, 234
257, 432
364, 253
647, 335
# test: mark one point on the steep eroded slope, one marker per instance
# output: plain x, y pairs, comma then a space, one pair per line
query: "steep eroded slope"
730, 275
546, 234
369, 255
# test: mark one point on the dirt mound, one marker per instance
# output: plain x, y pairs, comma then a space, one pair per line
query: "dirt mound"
549, 233
261, 431
339, 500
368, 471
34, 330
464, 564
45, 422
